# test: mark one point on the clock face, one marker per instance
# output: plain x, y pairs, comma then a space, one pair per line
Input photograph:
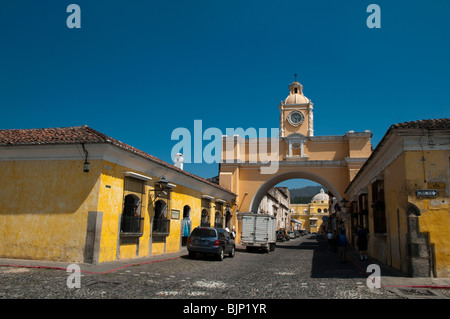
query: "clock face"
295, 118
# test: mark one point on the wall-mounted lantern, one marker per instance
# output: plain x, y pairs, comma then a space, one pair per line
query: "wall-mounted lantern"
163, 188
86, 165
344, 203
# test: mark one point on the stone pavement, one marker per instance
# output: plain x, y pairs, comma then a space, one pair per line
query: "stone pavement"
100, 268
390, 278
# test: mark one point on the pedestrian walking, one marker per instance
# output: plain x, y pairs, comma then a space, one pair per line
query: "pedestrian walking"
330, 240
342, 246
361, 240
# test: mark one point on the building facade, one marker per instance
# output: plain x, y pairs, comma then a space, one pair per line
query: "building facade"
401, 195
277, 203
75, 194
312, 215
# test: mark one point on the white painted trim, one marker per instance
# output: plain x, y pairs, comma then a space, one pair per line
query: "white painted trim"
138, 176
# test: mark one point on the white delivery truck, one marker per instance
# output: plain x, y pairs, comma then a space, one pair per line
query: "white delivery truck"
258, 231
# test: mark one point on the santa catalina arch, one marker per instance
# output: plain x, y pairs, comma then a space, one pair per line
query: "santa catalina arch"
332, 161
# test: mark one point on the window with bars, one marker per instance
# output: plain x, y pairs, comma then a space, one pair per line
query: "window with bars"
131, 218
379, 211
161, 222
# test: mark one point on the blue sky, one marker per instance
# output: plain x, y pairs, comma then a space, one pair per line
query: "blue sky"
137, 70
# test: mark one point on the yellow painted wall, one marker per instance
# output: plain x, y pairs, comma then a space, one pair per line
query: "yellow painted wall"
435, 213
402, 178
44, 211
111, 204
359, 147
181, 197
329, 150
44, 206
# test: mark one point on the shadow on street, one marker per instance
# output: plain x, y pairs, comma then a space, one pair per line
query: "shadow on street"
326, 264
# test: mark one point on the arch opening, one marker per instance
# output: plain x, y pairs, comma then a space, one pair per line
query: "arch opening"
262, 191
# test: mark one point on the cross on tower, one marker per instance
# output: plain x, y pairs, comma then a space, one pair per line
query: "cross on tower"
295, 76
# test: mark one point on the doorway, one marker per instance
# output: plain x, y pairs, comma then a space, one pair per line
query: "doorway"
186, 225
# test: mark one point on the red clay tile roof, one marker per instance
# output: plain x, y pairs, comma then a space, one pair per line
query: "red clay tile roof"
65, 135
80, 135
428, 124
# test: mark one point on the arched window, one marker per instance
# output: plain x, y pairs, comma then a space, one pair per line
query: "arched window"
218, 220
186, 212
160, 209
228, 219
131, 218
131, 205
161, 223
205, 219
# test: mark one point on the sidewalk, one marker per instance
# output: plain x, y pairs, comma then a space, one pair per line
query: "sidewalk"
101, 268
393, 278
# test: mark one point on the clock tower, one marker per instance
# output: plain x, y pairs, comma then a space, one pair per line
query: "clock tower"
296, 113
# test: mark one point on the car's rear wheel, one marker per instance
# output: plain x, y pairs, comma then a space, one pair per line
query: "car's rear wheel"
220, 254
231, 254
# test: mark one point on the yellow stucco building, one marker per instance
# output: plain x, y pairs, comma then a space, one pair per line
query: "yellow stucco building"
312, 215
402, 196
75, 194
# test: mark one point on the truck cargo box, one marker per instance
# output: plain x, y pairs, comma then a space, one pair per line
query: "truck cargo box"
258, 231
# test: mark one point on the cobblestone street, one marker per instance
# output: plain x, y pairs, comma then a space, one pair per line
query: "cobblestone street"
297, 269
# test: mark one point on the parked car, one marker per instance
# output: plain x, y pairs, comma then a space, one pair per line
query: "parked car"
291, 235
281, 235
206, 240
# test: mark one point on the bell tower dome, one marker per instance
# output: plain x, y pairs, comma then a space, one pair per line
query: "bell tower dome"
296, 112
